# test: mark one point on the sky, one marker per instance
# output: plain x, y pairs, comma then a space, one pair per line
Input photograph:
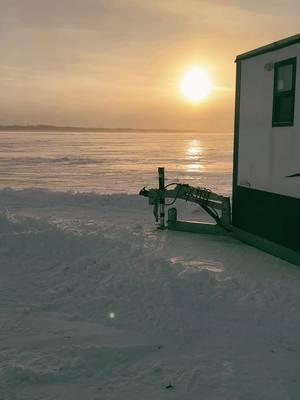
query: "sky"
118, 63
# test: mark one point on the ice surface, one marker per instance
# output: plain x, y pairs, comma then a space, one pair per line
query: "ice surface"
193, 316
114, 162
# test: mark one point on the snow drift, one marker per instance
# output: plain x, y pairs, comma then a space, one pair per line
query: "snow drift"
96, 303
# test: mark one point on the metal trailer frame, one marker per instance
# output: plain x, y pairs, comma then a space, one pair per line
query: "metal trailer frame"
217, 206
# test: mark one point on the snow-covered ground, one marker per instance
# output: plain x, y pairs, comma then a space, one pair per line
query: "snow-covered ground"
96, 303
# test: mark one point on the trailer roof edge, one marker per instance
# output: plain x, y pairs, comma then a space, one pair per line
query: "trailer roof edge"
270, 47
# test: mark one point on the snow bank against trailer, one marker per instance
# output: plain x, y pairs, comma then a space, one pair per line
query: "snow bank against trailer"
96, 303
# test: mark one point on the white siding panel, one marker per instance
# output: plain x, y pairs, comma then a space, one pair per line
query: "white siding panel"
267, 154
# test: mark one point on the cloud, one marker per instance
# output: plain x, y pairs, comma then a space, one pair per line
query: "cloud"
45, 34
271, 7
120, 18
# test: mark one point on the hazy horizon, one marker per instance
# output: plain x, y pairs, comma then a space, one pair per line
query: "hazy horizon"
118, 63
51, 127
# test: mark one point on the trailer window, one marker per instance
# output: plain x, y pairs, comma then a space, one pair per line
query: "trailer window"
284, 92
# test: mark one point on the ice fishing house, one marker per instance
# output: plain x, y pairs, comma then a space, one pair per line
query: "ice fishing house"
266, 176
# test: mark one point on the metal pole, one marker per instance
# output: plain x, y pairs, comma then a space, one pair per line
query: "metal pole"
161, 181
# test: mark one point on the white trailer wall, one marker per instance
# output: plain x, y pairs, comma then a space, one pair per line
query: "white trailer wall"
267, 154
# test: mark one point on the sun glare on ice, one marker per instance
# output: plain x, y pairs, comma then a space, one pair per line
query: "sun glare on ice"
196, 84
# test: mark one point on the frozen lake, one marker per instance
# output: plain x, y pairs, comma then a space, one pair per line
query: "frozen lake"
114, 162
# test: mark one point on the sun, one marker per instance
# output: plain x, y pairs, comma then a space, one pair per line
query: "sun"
196, 84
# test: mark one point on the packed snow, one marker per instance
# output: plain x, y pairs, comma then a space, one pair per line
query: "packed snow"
96, 303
